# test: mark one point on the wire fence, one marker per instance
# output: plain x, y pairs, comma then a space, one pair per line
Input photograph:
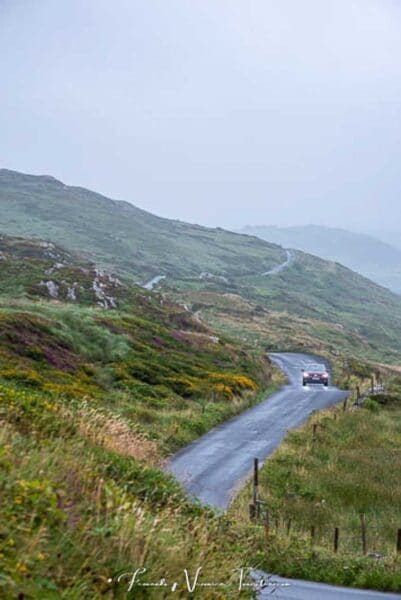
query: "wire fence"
361, 534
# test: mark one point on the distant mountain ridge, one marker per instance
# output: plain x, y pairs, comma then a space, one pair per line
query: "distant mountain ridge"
365, 254
389, 236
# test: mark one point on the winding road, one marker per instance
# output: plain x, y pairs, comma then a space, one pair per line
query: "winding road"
153, 282
150, 285
216, 466
289, 260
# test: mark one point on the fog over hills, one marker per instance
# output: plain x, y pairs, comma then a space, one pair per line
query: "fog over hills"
365, 254
389, 236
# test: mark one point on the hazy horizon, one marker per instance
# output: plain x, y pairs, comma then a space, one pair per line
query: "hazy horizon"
220, 113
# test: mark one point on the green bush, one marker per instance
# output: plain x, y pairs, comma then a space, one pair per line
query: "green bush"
371, 405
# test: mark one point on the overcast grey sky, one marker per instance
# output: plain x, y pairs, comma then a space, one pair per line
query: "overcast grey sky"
221, 112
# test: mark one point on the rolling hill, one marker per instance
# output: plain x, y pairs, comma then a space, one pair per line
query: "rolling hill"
365, 254
65, 323
124, 238
311, 305
311, 302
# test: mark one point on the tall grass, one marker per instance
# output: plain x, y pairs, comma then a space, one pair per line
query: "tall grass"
90, 403
75, 517
349, 466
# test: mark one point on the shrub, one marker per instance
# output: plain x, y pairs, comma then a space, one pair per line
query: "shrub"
371, 405
29, 378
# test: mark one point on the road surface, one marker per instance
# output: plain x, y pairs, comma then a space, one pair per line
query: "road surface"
150, 285
281, 588
290, 259
153, 282
215, 467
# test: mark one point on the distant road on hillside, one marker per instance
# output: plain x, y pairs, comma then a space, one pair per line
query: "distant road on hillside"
290, 259
150, 285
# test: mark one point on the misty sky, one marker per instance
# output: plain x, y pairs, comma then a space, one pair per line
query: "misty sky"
221, 112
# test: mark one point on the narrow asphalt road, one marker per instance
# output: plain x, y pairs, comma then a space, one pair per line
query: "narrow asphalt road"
296, 589
289, 260
153, 282
150, 285
215, 467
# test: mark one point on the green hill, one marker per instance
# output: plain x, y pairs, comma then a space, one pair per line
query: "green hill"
110, 339
369, 256
313, 304
122, 237
93, 395
321, 300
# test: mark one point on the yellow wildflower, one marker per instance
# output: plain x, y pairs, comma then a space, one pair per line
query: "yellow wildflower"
21, 567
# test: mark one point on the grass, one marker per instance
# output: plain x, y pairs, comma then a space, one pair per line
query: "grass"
122, 237
76, 515
350, 466
175, 384
312, 305
147, 359
92, 400
323, 300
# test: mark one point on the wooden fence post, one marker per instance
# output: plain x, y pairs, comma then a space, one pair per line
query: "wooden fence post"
314, 432
312, 535
252, 512
358, 393
345, 404
256, 485
267, 524
363, 534
399, 541
288, 526
336, 538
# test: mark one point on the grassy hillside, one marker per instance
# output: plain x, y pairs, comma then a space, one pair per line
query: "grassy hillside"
365, 254
93, 396
122, 237
323, 300
166, 370
311, 304
315, 289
